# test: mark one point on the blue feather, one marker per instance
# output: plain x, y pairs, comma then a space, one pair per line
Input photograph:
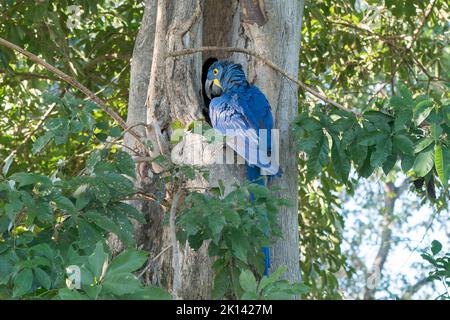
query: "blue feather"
243, 109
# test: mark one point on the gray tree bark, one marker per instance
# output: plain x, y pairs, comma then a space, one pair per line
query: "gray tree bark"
271, 28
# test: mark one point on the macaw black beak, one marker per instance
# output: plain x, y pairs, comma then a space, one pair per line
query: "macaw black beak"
212, 90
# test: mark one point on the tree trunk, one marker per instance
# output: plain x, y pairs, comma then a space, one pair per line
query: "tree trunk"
391, 195
174, 92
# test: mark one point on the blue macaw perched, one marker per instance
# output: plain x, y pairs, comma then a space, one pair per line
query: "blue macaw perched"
241, 112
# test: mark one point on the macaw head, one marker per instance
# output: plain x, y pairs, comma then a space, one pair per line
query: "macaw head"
223, 75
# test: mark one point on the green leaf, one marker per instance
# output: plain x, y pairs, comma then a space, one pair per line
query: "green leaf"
118, 182
239, 245
404, 144
247, 281
115, 132
216, 222
67, 294
88, 235
97, 260
436, 130
402, 119
382, 151
94, 158
41, 142
125, 163
22, 282
43, 249
221, 284
232, 216
150, 293
379, 119
65, 204
101, 192
439, 164
131, 211
422, 144
318, 156
341, 163
422, 110
405, 93
424, 162
122, 283
177, 124
446, 114
372, 138
103, 221
43, 278
127, 261
25, 179
436, 247
266, 281
389, 163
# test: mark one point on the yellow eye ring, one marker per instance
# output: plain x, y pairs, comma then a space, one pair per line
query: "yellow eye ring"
215, 71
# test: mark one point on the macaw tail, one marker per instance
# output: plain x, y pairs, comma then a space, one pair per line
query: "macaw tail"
254, 175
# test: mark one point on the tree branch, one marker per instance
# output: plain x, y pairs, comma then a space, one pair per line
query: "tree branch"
410, 291
73, 83
391, 195
100, 59
39, 124
29, 75
270, 64
416, 35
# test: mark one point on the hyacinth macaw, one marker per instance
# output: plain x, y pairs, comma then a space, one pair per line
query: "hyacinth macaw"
241, 112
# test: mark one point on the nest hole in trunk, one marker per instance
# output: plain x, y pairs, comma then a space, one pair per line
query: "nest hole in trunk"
205, 110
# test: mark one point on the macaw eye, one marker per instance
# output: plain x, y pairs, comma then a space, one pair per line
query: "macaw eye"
216, 71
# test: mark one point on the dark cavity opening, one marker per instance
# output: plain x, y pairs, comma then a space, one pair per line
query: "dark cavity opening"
206, 100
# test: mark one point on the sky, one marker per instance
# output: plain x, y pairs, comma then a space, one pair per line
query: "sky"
414, 236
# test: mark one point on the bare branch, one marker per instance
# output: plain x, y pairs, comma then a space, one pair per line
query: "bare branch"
270, 64
153, 260
100, 59
410, 291
29, 75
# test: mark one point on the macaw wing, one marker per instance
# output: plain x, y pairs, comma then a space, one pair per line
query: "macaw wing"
232, 118
229, 119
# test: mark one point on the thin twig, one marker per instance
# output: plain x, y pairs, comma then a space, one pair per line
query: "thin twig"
428, 12
29, 75
153, 260
269, 63
39, 124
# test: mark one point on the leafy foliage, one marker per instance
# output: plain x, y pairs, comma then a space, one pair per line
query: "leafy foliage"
441, 265
321, 226
237, 229
360, 53
48, 224
269, 288
96, 51
411, 130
